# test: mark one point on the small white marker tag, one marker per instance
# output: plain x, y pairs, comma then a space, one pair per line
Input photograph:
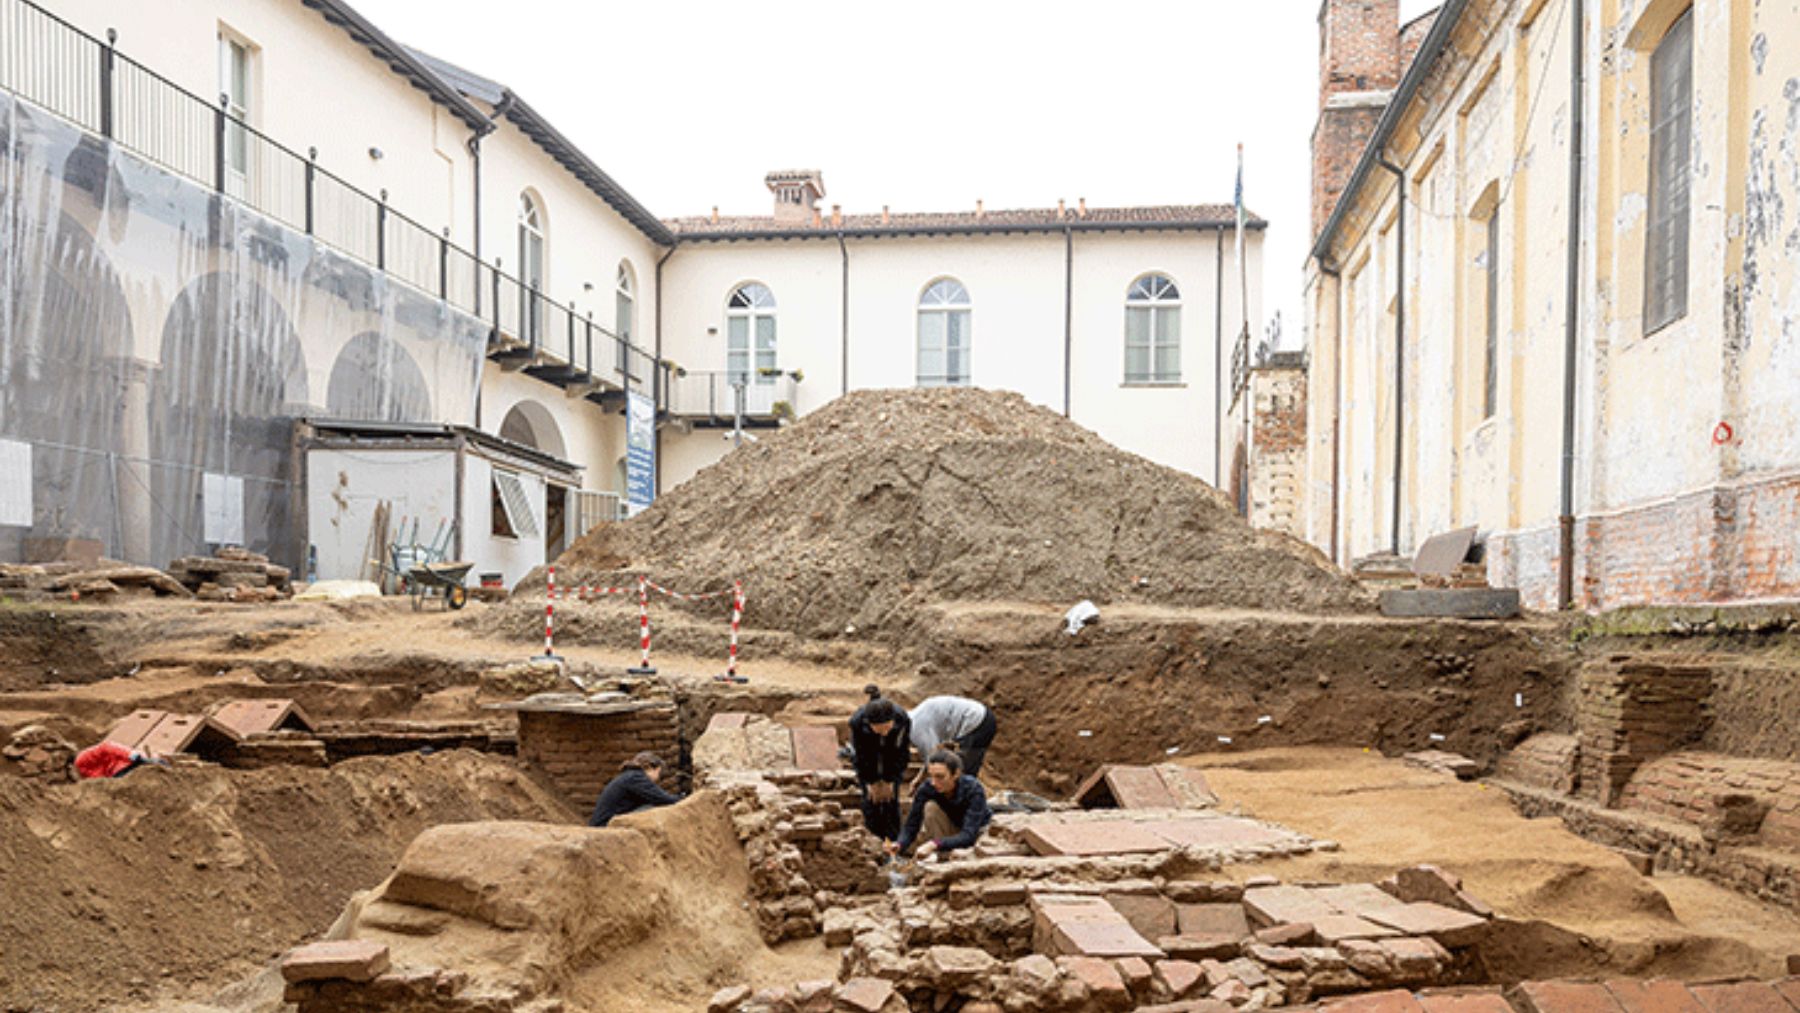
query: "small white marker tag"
1225, 739
1435, 737
1265, 719
1518, 699
1084, 733
1172, 750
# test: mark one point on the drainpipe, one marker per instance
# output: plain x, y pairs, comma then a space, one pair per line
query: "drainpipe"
475, 169
1068, 317
1565, 575
1219, 359
1399, 352
1337, 388
657, 375
844, 309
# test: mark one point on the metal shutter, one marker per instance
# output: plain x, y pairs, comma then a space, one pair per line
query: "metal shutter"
518, 507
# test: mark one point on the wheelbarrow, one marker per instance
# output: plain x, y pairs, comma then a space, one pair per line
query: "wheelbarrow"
439, 580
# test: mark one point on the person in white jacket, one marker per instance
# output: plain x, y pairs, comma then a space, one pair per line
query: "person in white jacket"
953, 720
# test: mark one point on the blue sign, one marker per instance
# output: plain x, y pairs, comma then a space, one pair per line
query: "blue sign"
640, 452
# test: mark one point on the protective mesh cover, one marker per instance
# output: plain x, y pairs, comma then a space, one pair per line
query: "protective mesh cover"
157, 341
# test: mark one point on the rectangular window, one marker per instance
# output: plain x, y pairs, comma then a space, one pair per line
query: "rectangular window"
931, 349
222, 505
737, 349
1671, 136
765, 350
956, 348
1152, 344
234, 92
511, 509
1491, 359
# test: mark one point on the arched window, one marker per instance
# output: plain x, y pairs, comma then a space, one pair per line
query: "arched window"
944, 334
1153, 331
531, 256
750, 333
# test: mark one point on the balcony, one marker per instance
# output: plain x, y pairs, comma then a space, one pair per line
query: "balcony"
709, 400
54, 65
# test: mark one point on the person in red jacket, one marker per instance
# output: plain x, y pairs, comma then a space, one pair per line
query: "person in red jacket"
109, 759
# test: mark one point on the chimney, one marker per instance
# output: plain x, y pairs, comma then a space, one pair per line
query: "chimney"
979, 210
837, 216
1359, 68
884, 214
1059, 209
816, 218
715, 218
1081, 207
797, 193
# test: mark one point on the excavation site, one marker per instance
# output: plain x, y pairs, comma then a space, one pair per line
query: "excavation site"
1215, 772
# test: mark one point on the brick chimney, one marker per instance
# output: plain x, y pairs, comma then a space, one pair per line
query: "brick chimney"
1359, 68
797, 193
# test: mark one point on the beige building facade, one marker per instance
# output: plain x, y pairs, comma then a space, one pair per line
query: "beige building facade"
1444, 342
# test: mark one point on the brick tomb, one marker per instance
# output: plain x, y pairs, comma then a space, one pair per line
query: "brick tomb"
580, 743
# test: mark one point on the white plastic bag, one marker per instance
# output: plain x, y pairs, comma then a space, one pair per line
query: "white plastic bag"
1083, 613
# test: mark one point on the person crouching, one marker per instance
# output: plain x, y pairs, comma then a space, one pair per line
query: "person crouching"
634, 790
950, 809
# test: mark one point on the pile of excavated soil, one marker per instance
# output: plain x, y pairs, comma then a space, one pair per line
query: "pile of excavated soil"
884, 501
168, 882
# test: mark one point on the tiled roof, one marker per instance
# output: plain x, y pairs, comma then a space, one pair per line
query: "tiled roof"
1167, 216
401, 60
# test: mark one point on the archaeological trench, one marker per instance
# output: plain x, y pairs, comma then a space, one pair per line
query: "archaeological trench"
1241, 788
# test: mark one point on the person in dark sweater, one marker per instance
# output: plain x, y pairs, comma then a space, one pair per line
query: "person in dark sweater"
951, 809
634, 790
879, 731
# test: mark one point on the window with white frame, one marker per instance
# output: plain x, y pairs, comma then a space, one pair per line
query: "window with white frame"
944, 334
625, 312
750, 333
234, 97
1671, 135
1153, 331
531, 262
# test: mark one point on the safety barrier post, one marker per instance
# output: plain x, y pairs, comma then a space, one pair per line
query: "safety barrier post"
549, 621
643, 627
737, 616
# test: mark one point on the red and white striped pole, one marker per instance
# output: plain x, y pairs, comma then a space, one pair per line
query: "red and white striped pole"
643, 627
550, 619
737, 616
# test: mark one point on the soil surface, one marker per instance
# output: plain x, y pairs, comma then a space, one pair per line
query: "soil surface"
1583, 911
169, 883
882, 502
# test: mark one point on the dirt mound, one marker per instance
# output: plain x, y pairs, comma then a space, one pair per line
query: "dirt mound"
883, 501
142, 886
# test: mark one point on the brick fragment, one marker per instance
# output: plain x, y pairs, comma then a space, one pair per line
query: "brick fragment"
1102, 979
1178, 977
341, 959
1654, 997
865, 995
1564, 997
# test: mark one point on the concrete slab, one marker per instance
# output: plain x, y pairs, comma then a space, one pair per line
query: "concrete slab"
1188, 786
192, 733
1152, 915
134, 727
1221, 832
1442, 554
1274, 905
1212, 919
816, 747
248, 717
1334, 929
1356, 898
1451, 603
1102, 939
1098, 838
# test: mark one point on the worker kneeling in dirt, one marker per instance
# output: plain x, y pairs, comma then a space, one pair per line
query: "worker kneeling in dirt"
951, 810
942, 720
634, 790
879, 732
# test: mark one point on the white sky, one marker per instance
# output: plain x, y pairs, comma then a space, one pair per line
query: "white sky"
923, 106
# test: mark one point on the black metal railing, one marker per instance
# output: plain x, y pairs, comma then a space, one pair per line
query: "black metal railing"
53, 64
714, 395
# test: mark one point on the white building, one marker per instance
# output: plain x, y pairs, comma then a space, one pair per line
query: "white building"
405, 258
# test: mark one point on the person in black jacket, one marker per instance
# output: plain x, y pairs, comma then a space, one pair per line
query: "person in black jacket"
879, 731
634, 790
950, 810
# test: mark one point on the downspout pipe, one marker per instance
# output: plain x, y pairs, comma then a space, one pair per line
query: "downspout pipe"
1337, 391
1399, 352
1068, 320
656, 374
1565, 572
844, 314
487, 127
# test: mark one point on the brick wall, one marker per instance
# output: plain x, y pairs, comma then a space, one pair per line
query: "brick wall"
579, 753
1359, 58
1412, 36
1733, 800
1630, 712
1546, 760
1278, 448
1727, 543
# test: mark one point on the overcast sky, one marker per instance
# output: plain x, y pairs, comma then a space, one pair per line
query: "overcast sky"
922, 106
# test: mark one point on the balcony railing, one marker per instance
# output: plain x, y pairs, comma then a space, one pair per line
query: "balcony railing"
53, 64
713, 396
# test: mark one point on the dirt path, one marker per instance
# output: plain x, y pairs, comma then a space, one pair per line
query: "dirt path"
1593, 911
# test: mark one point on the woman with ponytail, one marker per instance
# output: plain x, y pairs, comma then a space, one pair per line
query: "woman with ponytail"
879, 732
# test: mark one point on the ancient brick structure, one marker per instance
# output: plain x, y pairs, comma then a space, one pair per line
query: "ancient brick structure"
1278, 443
580, 746
1632, 711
